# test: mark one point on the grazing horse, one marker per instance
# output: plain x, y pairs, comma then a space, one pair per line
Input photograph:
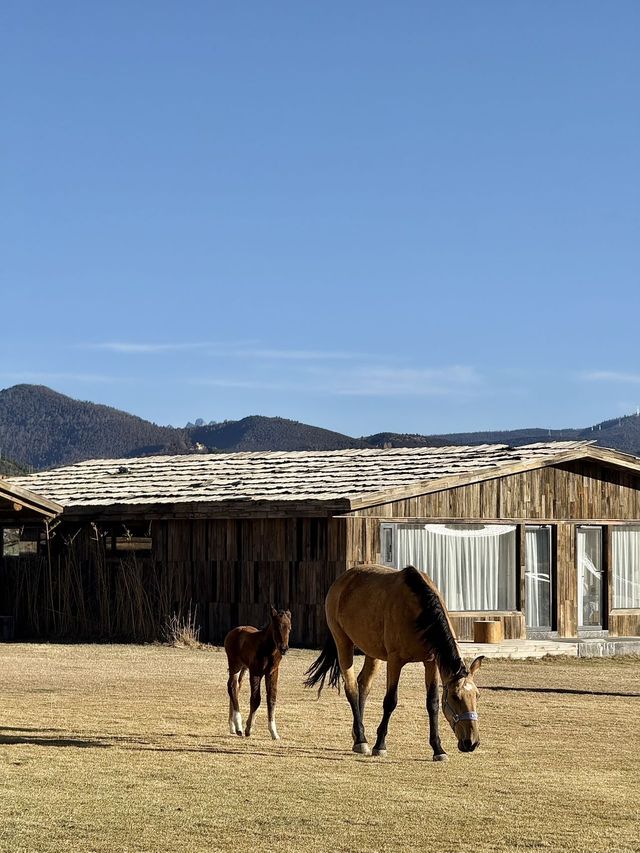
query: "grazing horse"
398, 617
260, 652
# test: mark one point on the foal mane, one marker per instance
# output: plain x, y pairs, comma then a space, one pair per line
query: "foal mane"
433, 624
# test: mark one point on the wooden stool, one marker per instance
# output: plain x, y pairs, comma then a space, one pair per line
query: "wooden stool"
488, 631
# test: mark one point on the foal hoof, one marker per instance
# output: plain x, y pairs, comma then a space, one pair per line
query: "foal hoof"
379, 752
441, 757
362, 748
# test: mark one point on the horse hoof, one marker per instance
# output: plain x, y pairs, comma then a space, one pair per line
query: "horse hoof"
381, 753
441, 757
239, 733
362, 748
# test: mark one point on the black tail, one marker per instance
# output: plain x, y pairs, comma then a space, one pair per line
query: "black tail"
325, 664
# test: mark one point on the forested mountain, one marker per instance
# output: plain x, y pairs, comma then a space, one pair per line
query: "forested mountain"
8, 468
619, 433
41, 428
259, 433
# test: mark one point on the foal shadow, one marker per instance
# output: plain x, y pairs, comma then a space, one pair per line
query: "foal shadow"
40, 740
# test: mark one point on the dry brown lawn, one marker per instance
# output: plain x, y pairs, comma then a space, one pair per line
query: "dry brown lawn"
125, 748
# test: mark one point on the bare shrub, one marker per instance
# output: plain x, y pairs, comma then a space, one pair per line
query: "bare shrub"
182, 629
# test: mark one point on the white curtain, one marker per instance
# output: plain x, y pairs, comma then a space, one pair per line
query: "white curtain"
473, 566
537, 574
625, 556
589, 549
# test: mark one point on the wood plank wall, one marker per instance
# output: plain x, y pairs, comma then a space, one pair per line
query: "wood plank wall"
233, 568
580, 491
229, 569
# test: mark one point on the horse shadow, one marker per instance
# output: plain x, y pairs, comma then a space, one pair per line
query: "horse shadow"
15, 736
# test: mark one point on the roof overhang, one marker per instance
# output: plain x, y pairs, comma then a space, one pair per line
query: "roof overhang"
213, 509
17, 503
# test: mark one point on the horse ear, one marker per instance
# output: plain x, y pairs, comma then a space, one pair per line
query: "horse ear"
288, 613
274, 612
475, 666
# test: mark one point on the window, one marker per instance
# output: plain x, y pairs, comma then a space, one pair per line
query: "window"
537, 564
625, 559
589, 554
128, 539
473, 565
386, 544
23, 541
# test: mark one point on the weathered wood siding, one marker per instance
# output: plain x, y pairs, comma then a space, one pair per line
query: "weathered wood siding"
228, 570
233, 568
624, 623
576, 491
512, 624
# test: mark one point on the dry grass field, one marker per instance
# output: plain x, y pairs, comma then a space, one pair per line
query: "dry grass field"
125, 748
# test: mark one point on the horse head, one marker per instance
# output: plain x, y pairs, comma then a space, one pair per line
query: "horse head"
281, 628
459, 705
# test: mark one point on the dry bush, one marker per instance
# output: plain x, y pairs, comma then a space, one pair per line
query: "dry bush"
182, 629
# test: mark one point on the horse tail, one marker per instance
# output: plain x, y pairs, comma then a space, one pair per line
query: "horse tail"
325, 664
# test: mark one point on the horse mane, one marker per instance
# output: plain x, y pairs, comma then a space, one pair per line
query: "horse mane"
432, 623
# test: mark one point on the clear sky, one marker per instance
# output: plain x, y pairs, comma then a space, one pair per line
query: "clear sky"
408, 216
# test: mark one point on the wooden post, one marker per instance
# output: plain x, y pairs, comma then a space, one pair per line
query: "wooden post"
488, 631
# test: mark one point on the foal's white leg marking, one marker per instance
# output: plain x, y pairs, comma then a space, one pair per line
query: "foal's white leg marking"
237, 722
273, 730
232, 725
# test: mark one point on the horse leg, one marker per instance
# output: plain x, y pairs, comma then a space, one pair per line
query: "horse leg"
255, 701
235, 718
365, 680
394, 668
344, 647
271, 683
433, 709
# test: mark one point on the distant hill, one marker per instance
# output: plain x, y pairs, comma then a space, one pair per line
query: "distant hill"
619, 433
41, 428
260, 433
11, 469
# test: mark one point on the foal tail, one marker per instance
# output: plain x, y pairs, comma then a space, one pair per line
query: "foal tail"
325, 664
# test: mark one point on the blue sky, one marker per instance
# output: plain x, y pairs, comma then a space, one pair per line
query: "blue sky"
412, 216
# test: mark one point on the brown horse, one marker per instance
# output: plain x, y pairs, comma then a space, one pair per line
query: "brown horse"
398, 617
260, 652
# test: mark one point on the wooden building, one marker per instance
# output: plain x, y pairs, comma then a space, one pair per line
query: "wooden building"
544, 538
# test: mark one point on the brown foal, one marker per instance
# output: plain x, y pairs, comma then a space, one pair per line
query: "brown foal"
259, 652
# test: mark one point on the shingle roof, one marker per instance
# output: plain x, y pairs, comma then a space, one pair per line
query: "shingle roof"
273, 476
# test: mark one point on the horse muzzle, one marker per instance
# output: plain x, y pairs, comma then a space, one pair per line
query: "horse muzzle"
468, 745
283, 650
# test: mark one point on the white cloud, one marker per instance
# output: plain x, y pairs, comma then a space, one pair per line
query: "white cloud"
36, 377
239, 349
363, 381
612, 376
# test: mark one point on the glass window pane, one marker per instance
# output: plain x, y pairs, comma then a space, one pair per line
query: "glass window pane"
625, 559
589, 577
538, 577
473, 566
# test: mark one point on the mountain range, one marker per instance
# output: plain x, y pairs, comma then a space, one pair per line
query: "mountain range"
41, 428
